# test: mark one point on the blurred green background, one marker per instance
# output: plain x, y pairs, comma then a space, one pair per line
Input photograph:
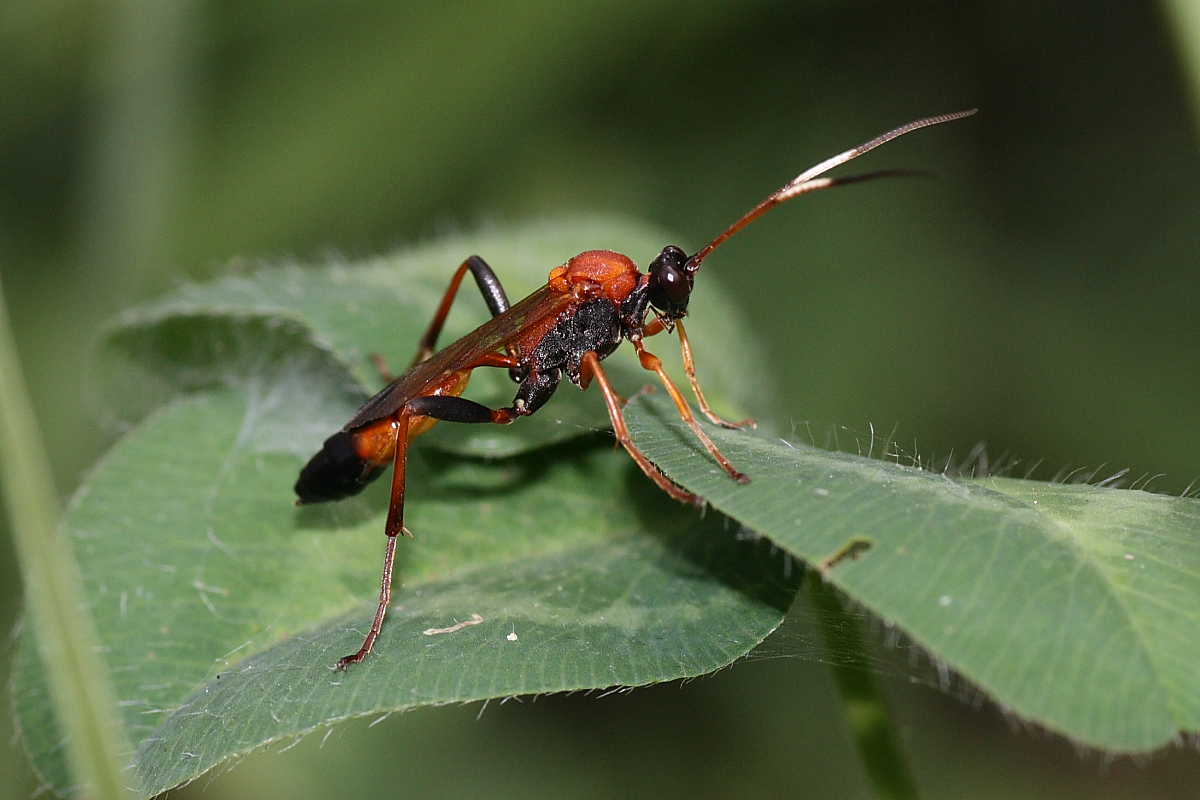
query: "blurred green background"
1039, 295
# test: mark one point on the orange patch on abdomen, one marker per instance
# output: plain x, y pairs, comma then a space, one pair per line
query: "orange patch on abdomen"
376, 443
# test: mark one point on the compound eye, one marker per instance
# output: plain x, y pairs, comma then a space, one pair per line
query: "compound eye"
670, 284
674, 285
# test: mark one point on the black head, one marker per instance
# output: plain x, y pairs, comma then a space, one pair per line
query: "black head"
670, 285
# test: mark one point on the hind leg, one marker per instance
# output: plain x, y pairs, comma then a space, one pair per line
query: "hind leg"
393, 528
493, 294
489, 286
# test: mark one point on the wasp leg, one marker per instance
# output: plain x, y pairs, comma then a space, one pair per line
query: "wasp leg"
460, 409
585, 380
535, 390
653, 328
495, 360
591, 368
393, 528
689, 367
489, 287
493, 294
381, 367
656, 327
652, 363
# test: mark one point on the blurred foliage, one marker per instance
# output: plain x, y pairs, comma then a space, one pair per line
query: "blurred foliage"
1038, 295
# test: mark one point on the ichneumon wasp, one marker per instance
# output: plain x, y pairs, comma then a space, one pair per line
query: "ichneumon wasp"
566, 328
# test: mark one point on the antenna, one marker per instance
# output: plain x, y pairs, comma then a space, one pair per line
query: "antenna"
808, 181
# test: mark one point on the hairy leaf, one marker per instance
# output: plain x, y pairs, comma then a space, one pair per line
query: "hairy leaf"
1074, 606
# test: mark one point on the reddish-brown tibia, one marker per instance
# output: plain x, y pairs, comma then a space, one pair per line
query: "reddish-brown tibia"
566, 328
392, 529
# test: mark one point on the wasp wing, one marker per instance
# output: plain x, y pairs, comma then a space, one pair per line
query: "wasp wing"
492, 336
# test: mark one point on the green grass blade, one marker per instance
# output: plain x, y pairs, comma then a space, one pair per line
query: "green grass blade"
75, 673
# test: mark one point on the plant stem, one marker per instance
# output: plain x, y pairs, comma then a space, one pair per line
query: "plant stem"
66, 639
1183, 17
867, 713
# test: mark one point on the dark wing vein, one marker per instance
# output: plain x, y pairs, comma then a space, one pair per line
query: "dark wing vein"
490, 337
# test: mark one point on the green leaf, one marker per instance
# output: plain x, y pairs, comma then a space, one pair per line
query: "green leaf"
1073, 606
222, 606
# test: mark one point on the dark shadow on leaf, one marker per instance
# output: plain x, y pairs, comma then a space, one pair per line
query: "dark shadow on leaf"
436, 474
714, 545
339, 514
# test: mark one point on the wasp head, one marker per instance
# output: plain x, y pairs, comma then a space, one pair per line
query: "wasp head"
670, 285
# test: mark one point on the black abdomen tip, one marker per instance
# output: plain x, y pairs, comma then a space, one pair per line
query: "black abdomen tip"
336, 471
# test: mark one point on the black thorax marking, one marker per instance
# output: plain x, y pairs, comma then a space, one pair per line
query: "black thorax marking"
594, 326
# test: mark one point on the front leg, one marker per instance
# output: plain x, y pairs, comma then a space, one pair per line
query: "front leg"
651, 362
590, 367
689, 367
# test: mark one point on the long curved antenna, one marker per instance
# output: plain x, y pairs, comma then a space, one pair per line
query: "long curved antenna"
808, 181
